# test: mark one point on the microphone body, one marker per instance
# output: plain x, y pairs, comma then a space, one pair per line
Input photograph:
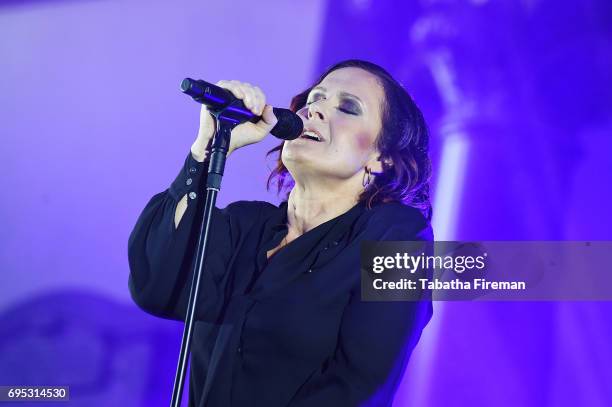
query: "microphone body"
222, 101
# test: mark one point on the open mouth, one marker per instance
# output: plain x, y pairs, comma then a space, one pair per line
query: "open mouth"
312, 135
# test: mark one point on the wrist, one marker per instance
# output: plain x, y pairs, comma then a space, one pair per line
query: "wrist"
200, 150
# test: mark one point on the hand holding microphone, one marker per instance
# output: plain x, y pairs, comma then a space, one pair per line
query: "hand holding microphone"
262, 118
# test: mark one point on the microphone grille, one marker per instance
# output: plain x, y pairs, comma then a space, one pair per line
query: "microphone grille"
289, 124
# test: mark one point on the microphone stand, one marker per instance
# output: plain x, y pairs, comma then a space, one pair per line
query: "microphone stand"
226, 119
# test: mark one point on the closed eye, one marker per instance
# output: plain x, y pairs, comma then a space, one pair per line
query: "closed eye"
315, 98
349, 108
347, 111
346, 106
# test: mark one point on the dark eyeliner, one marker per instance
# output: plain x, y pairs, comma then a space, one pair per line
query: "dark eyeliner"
352, 110
347, 111
314, 97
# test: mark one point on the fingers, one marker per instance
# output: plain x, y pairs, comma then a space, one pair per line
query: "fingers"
252, 96
249, 98
260, 100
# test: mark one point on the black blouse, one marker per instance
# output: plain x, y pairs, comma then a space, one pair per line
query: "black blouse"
289, 331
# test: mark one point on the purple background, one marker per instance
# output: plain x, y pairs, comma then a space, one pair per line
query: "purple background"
517, 95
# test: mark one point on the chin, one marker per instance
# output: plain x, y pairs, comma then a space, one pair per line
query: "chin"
300, 166
293, 156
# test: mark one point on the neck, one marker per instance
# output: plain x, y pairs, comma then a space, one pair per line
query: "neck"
311, 205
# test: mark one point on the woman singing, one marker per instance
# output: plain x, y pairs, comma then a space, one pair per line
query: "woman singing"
279, 319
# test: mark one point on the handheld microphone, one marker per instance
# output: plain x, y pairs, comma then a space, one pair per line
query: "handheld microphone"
217, 99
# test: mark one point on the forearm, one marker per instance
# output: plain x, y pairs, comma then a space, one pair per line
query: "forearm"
152, 252
200, 151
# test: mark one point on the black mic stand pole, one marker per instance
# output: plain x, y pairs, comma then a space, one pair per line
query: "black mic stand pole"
225, 124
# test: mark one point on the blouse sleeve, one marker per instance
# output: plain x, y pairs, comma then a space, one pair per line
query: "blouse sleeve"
161, 257
374, 343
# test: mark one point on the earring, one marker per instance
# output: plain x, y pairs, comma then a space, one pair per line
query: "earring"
367, 177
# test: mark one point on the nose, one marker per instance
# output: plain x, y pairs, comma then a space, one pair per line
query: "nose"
319, 115
314, 111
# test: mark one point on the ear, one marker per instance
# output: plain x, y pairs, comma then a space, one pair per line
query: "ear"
376, 163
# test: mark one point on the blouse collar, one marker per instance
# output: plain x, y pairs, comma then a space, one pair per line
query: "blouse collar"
280, 220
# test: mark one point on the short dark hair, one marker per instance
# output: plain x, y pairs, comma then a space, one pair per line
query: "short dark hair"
403, 143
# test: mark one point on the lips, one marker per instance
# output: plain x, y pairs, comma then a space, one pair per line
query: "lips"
312, 134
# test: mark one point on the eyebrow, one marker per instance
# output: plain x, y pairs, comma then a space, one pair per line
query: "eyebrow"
342, 93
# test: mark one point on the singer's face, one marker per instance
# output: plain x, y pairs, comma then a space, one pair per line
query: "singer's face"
344, 111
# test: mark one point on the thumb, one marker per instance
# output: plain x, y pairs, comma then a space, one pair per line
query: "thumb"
269, 118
